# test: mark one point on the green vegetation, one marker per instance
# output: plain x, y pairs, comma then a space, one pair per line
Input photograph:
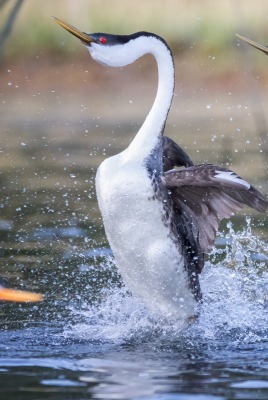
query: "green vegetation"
207, 25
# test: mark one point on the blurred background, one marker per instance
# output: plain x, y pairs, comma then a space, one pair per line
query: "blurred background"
62, 114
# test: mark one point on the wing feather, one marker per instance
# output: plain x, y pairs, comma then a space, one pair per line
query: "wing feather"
205, 194
174, 155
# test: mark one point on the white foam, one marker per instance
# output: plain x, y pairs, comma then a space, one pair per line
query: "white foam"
235, 297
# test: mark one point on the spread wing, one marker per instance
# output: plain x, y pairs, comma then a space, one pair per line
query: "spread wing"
202, 196
174, 155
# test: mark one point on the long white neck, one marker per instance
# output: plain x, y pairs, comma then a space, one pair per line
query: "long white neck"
121, 55
152, 128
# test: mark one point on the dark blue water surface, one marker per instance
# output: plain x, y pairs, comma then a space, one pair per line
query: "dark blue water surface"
41, 362
91, 339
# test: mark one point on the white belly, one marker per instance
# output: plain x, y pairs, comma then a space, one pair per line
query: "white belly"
147, 258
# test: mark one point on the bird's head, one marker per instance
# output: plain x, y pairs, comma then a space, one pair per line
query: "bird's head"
254, 44
114, 50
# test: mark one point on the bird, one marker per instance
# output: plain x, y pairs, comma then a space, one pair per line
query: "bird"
19, 296
160, 211
258, 46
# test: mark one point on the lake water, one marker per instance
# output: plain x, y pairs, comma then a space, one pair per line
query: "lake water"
90, 338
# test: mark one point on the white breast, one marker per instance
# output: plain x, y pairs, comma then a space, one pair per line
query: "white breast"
147, 258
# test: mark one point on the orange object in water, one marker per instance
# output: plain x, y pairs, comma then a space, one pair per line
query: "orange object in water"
19, 296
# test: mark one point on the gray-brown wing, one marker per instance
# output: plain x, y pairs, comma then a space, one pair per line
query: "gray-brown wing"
205, 194
174, 155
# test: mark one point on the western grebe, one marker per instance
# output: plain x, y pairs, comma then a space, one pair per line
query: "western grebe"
160, 221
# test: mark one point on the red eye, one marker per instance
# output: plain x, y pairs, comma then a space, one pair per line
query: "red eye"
103, 40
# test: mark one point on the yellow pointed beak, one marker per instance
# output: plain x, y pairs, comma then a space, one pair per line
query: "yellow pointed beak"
254, 44
19, 295
86, 39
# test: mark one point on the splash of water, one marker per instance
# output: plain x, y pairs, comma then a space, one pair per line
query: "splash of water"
235, 290
235, 300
